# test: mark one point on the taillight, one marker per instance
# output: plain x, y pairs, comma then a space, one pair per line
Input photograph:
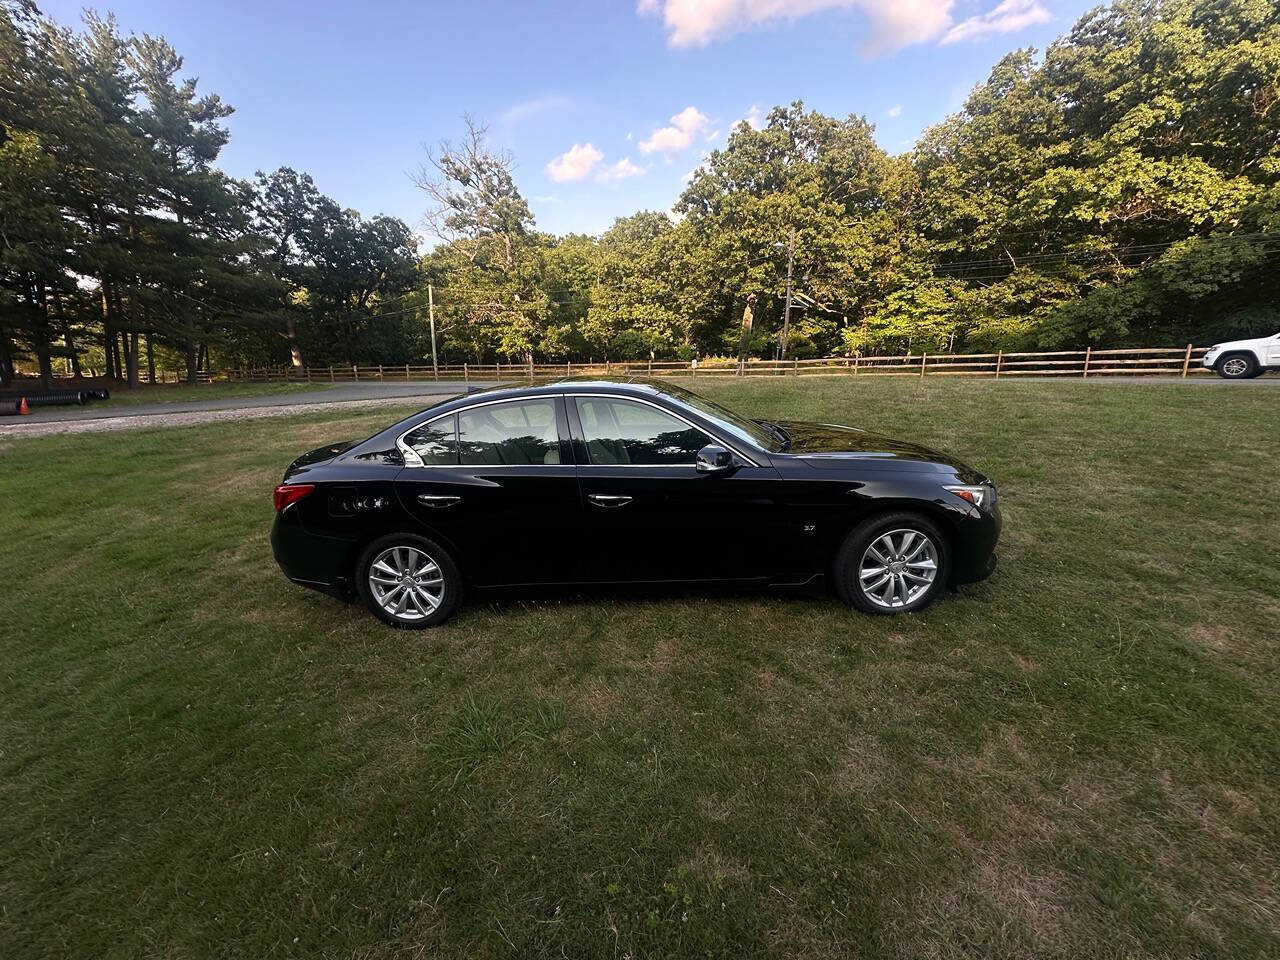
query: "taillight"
288, 493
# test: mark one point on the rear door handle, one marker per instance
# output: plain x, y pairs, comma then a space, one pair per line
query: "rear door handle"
608, 499
437, 500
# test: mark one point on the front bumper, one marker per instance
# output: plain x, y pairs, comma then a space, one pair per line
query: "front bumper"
1209, 361
974, 556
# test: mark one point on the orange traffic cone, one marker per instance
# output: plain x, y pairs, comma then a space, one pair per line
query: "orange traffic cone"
22, 407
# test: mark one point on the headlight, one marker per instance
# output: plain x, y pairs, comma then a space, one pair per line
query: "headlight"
981, 495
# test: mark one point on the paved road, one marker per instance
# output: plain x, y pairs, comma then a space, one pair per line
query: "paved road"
337, 394
89, 419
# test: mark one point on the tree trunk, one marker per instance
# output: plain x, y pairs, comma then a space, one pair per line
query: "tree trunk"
191, 361
294, 351
151, 361
40, 335
6, 359
65, 325
131, 346
131, 358
108, 337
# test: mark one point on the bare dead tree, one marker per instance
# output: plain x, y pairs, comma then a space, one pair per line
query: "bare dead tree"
474, 196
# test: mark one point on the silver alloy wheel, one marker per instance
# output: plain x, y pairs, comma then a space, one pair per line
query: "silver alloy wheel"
898, 568
1235, 367
406, 583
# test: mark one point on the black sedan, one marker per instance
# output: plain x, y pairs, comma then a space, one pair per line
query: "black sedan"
625, 481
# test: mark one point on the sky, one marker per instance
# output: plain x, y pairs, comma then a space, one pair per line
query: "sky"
606, 106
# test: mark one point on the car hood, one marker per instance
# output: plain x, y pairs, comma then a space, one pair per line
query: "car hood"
1242, 344
318, 455
831, 445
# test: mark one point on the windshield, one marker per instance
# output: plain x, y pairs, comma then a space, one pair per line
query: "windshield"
740, 428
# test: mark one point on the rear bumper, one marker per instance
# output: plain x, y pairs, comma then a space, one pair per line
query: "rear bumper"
318, 563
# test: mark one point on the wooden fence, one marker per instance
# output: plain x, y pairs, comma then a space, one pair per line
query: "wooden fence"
1175, 361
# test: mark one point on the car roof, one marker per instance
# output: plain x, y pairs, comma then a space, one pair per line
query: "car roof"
636, 386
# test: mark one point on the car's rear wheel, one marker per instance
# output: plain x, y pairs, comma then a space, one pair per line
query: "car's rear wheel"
892, 563
1237, 366
408, 581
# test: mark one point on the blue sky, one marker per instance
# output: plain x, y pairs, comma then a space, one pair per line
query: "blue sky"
351, 92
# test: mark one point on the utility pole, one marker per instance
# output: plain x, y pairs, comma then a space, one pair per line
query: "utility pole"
431, 314
786, 312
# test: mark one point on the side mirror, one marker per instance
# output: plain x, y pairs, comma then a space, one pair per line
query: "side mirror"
714, 458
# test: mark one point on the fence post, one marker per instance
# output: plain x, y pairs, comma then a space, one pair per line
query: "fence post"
379, 373
1088, 352
1186, 361
331, 373
923, 359
856, 358
466, 372
308, 369
795, 367
355, 370
406, 373
999, 362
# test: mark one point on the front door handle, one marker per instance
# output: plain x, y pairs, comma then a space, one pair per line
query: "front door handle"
608, 499
437, 500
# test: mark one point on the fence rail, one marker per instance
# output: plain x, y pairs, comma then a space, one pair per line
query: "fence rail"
1172, 361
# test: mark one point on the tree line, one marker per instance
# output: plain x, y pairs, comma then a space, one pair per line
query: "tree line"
1121, 188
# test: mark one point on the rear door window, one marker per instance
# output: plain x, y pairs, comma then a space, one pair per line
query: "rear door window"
520, 433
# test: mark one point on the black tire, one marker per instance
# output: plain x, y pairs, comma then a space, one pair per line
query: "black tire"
1230, 367
412, 618
846, 568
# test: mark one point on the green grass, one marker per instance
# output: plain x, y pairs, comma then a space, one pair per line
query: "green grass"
184, 393
1079, 757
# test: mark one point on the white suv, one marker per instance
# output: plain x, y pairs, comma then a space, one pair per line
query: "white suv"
1242, 359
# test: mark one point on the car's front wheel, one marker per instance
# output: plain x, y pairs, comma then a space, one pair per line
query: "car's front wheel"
408, 581
893, 563
1237, 366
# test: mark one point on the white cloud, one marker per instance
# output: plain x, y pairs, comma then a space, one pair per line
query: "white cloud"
894, 24
621, 170
685, 127
894, 111
1009, 17
752, 119
575, 163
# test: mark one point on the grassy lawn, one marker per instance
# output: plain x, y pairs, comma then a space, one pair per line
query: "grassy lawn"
1079, 757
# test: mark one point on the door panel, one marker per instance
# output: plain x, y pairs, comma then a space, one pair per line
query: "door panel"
498, 486
510, 525
1273, 352
648, 515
